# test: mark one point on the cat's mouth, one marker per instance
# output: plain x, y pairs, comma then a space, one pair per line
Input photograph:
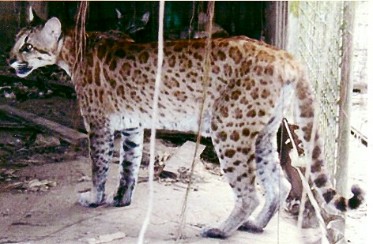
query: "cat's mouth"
22, 69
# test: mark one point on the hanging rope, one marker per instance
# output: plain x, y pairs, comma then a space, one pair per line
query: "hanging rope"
80, 38
279, 42
190, 29
306, 187
207, 65
154, 122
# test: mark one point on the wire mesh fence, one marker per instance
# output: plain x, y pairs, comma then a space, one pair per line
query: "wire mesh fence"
317, 43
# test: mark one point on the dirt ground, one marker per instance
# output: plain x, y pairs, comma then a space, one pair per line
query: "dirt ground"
54, 217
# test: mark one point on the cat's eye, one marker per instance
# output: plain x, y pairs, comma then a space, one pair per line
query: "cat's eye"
27, 47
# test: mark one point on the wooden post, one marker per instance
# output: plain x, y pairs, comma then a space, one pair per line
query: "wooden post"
276, 23
345, 97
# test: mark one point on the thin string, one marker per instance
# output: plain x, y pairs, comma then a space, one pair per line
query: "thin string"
190, 29
80, 37
154, 122
308, 169
278, 44
207, 65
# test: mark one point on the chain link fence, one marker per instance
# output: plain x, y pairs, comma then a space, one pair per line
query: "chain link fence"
316, 39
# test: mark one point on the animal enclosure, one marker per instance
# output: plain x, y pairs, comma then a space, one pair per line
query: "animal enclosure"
31, 109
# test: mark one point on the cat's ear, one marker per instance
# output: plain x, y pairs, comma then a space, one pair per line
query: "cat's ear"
145, 17
33, 19
52, 29
119, 14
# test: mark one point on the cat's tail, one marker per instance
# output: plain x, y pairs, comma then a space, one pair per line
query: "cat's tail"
313, 145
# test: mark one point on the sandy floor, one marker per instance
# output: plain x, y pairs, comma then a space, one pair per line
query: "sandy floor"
54, 217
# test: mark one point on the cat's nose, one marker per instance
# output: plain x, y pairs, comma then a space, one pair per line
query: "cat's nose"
11, 60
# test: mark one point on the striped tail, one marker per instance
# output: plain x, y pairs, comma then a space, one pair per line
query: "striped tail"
313, 146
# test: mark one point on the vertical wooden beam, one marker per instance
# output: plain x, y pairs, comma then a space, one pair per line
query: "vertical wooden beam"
276, 15
345, 97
